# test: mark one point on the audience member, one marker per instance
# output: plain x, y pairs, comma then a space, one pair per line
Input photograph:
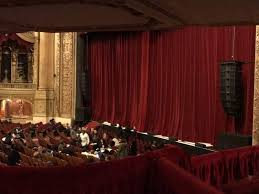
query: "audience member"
85, 140
13, 158
46, 144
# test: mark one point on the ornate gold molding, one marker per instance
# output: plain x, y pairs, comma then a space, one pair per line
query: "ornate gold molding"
44, 95
67, 74
18, 85
256, 92
57, 75
18, 94
64, 74
35, 59
27, 36
40, 108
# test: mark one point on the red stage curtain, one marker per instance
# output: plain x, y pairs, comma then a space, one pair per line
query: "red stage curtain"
168, 81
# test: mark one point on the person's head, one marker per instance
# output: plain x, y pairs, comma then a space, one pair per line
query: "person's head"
105, 136
40, 149
75, 127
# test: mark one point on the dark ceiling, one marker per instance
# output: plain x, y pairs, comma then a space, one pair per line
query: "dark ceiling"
112, 15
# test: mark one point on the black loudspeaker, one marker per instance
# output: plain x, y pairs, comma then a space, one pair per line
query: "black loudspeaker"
228, 141
231, 90
83, 84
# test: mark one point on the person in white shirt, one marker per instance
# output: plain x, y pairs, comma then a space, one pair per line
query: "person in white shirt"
116, 142
85, 140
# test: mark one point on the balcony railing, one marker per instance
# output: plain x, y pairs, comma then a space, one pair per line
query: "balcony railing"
18, 85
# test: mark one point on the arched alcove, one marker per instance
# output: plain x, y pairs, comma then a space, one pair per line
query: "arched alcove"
15, 109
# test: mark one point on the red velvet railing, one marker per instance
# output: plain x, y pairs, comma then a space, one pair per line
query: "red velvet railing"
126, 176
255, 159
154, 172
145, 174
209, 168
171, 179
226, 167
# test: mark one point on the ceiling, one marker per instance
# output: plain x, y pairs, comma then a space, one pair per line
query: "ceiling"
112, 15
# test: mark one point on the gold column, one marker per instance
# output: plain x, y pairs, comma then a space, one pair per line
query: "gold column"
44, 95
64, 84
14, 65
1, 64
256, 92
30, 74
35, 59
54, 97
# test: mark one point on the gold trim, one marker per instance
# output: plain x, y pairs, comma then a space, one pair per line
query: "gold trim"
27, 36
256, 92
64, 74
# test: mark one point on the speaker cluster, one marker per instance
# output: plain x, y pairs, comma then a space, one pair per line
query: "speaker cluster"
231, 89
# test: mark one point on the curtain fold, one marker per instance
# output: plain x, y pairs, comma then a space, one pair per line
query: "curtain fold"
168, 82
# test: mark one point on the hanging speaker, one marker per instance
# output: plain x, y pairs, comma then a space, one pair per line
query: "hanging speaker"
231, 87
83, 84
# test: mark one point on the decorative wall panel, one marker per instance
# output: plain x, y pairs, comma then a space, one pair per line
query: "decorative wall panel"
64, 74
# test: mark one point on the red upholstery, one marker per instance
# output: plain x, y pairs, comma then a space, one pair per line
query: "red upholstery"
245, 157
245, 186
227, 167
230, 158
122, 176
92, 124
255, 159
171, 179
209, 168
145, 174
152, 173
173, 154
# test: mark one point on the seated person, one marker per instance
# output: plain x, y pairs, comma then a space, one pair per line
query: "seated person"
122, 150
68, 149
85, 140
61, 146
105, 140
73, 133
7, 139
52, 122
94, 136
116, 142
133, 149
37, 152
13, 158
102, 156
